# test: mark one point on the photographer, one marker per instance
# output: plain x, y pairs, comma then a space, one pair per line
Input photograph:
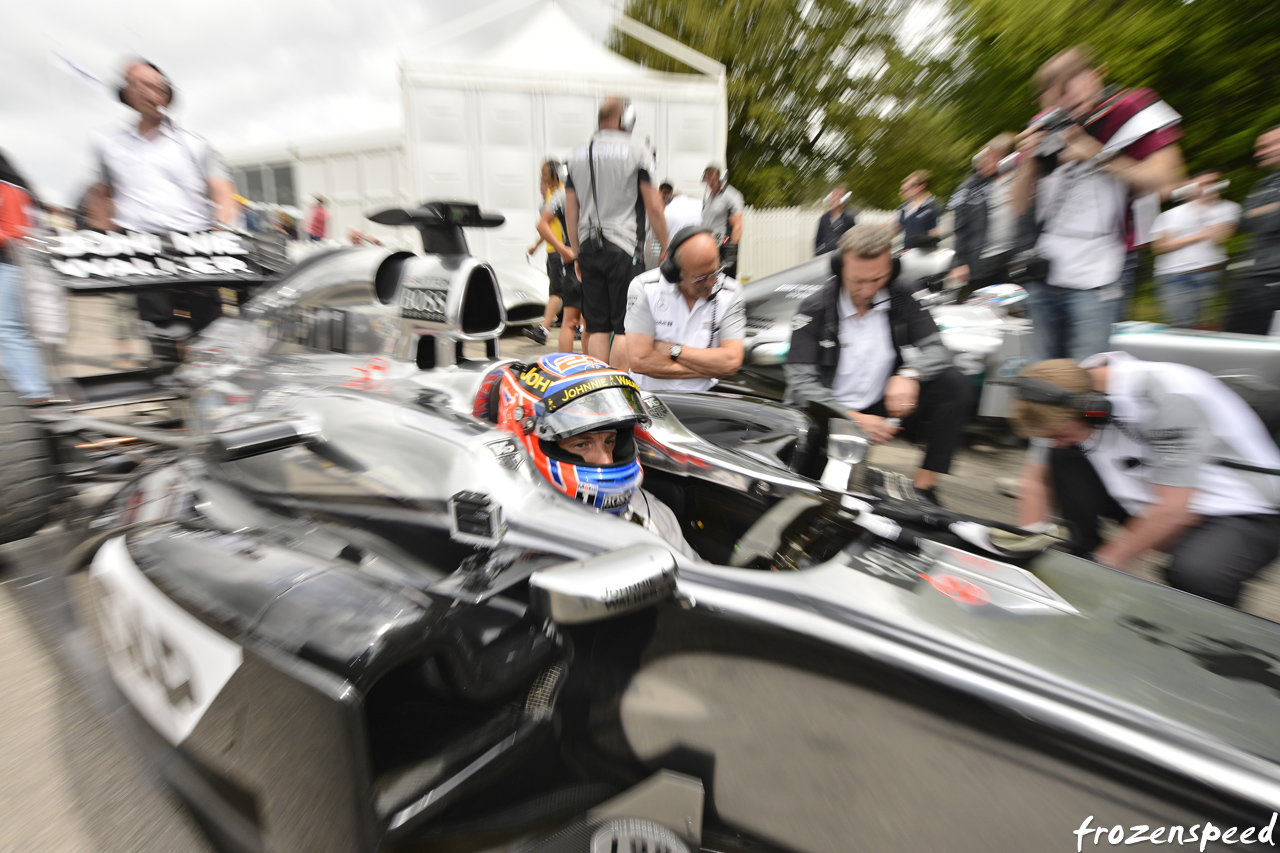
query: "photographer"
1082, 161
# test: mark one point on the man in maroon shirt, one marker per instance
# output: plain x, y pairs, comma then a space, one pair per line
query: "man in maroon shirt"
1119, 144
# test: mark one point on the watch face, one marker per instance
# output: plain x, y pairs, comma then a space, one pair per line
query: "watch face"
675, 351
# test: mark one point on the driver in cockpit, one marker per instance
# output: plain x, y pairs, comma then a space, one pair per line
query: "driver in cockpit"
576, 417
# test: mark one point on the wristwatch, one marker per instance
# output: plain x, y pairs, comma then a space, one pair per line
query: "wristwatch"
676, 349
910, 373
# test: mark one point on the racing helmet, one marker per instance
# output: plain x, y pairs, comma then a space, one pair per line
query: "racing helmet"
562, 395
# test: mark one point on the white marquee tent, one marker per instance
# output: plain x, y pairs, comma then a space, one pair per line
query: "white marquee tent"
479, 121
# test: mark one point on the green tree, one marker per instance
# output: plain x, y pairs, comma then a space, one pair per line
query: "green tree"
1212, 61
805, 87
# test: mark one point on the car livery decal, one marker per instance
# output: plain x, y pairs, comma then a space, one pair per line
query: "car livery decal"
167, 663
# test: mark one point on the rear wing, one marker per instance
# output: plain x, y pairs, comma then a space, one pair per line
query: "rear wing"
97, 261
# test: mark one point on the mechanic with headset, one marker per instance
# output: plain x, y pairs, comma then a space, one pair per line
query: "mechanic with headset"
722, 215
685, 319
863, 344
1167, 450
576, 418
610, 182
155, 177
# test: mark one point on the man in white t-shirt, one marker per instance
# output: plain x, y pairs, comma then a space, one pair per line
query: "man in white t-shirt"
156, 177
685, 319
1188, 247
1167, 450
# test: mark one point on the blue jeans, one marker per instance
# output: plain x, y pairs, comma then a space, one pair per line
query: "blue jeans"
19, 353
1070, 323
1184, 295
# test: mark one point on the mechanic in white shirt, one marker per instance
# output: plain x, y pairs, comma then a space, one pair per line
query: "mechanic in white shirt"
1164, 449
155, 177
1188, 247
685, 320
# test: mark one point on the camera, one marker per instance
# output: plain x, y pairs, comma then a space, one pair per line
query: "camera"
1194, 190
1051, 123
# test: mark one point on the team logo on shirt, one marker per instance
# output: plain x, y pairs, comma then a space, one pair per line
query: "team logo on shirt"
1173, 444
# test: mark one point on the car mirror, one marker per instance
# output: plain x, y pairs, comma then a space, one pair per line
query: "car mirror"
845, 443
847, 448
604, 586
770, 353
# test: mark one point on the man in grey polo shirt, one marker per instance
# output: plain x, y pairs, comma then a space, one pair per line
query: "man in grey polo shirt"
609, 186
154, 177
722, 214
685, 320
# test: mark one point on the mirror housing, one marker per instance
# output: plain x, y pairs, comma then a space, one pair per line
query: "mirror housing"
604, 586
847, 448
769, 353
845, 443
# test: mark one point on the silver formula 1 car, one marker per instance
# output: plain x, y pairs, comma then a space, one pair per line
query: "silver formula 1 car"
348, 616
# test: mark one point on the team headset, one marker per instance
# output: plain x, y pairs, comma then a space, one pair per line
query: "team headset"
124, 83
627, 121
669, 269
1093, 406
1095, 409
837, 265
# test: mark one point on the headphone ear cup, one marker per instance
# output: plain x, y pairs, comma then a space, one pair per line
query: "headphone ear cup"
837, 263
120, 94
1095, 407
668, 267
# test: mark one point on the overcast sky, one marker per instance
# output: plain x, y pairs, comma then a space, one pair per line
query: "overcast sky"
246, 71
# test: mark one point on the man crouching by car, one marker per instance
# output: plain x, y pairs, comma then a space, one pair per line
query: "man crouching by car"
863, 344
1168, 451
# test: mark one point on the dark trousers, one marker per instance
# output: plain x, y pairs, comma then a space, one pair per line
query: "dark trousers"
1212, 559
938, 419
985, 272
1253, 300
606, 276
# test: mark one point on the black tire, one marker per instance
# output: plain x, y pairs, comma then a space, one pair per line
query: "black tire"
27, 480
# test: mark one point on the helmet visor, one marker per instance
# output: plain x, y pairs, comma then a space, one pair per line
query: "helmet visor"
599, 410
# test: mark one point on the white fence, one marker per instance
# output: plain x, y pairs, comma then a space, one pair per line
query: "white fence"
775, 238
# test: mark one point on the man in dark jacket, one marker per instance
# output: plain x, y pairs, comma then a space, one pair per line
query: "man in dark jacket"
833, 223
864, 345
985, 222
1255, 297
